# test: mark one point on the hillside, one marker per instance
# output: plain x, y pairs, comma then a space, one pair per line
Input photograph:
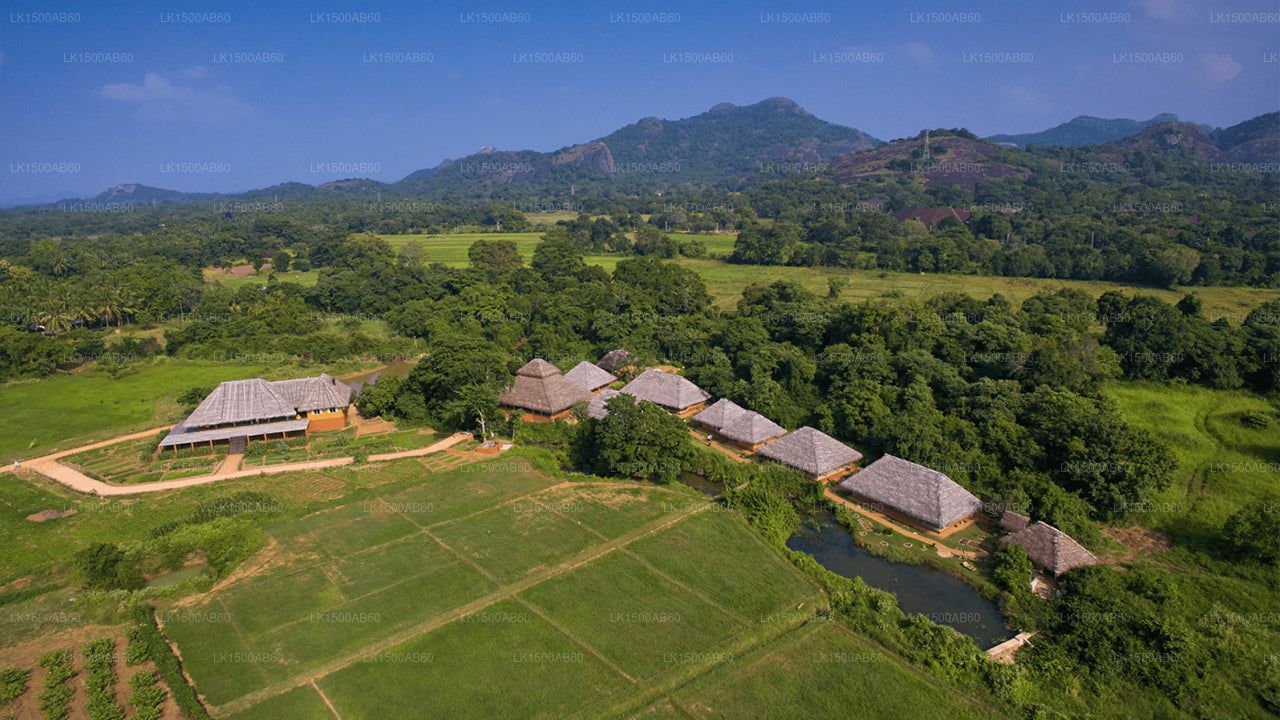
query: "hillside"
1083, 130
953, 160
725, 146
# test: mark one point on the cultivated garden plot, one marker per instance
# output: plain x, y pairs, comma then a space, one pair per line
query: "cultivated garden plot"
856, 680
637, 619
509, 663
485, 589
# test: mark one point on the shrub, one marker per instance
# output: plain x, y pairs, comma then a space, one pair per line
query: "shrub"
13, 683
99, 660
147, 696
55, 700
1256, 419
169, 665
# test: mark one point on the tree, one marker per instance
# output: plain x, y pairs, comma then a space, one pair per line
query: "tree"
461, 377
496, 255
637, 439
280, 261
1254, 530
1174, 265
380, 397
104, 566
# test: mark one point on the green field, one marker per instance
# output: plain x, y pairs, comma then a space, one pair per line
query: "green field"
510, 591
822, 671
1222, 464
41, 415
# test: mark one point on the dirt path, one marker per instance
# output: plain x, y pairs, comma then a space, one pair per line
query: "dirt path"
943, 550
702, 438
49, 467
502, 593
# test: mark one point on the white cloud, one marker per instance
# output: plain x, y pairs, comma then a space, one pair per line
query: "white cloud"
1216, 69
158, 98
919, 52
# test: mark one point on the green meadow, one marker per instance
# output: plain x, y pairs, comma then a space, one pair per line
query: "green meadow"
547, 597
1222, 463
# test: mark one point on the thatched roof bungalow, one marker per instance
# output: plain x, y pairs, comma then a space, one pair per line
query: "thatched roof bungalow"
915, 494
720, 413
256, 408
1050, 548
589, 376
542, 391
671, 391
751, 431
596, 408
1012, 521
812, 452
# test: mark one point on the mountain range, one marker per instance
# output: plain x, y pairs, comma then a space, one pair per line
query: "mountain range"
732, 147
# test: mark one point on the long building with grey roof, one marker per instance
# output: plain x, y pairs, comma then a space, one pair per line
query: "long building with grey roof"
812, 452
256, 408
675, 393
915, 494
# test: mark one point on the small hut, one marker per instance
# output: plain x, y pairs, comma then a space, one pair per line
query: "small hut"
1050, 548
915, 494
543, 392
614, 360
671, 391
589, 376
751, 430
814, 453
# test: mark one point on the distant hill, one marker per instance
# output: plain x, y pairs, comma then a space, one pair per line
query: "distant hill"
1084, 130
725, 146
1256, 140
952, 160
1252, 141
147, 195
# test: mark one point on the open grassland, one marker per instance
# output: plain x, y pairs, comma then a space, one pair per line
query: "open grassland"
726, 282
68, 410
490, 589
1222, 463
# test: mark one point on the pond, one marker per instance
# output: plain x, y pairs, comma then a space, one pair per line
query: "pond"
399, 368
177, 576
943, 598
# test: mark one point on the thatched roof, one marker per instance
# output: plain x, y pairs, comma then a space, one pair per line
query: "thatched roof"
721, 413
1013, 522
811, 451
317, 393
596, 408
913, 490
181, 434
752, 428
541, 388
670, 391
614, 359
589, 376
1050, 548
538, 368
256, 400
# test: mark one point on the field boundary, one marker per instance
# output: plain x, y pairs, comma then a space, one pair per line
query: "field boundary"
439, 620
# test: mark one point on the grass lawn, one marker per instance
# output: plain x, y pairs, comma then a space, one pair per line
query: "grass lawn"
300, 702
1222, 464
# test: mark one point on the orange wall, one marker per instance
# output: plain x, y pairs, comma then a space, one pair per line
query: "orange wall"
327, 421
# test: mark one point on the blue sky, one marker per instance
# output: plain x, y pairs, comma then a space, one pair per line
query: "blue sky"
93, 96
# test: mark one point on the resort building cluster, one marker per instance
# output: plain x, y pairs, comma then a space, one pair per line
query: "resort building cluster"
905, 492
